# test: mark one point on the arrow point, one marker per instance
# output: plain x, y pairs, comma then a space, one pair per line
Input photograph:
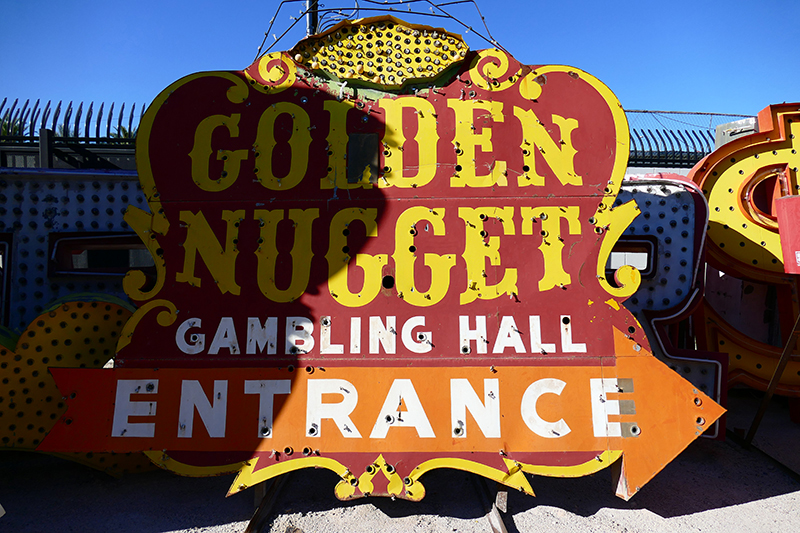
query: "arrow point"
516, 477
670, 414
620, 480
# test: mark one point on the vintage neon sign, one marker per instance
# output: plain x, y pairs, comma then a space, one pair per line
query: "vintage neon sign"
745, 181
367, 264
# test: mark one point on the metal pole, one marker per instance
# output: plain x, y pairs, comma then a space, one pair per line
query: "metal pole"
773, 383
45, 148
312, 18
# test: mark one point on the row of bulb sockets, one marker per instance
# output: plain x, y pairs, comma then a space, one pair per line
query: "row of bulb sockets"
338, 44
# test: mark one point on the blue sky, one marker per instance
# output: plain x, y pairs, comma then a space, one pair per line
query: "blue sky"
686, 55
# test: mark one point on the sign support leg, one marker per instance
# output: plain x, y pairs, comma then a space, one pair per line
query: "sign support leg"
773, 383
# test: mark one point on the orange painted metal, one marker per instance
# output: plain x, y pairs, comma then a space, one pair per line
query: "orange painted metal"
648, 434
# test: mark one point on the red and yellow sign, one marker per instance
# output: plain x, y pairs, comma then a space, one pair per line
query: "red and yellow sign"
367, 264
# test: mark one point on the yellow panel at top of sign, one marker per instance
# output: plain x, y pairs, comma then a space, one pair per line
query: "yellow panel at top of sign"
381, 50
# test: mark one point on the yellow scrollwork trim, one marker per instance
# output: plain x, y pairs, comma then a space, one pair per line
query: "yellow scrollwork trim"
164, 461
274, 77
395, 486
514, 477
144, 224
248, 476
611, 224
164, 318
490, 70
600, 462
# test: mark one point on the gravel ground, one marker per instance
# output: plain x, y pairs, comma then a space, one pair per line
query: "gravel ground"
712, 487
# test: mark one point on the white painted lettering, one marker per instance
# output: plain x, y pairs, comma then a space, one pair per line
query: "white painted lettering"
380, 335
266, 390
259, 337
486, 413
225, 337
537, 346
355, 334
402, 395
325, 346
124, 408
567, 346
213, 414
338, 412
543, 428
602, 407
508, 336
197, 340
298, 335
419, 343
478, 334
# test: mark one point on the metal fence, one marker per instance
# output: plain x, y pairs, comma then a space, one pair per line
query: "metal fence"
62, 135
23, 122
673, 138
90, 136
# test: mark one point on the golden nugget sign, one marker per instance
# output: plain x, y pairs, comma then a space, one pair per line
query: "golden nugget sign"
381, 253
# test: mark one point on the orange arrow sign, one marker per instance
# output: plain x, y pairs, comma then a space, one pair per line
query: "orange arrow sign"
558, 420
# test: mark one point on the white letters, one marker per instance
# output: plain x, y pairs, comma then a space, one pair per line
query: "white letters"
213, 414
548, 430
124, 407
325, 346
198, 339
567, 346
338, 412
355, 334
602, 407
298, 335
424, 344
478, 334
225, 337
401, 408
258, 337
486, 413
536, 337
385, 336
382, 335
266, 390
401, 394
508, 336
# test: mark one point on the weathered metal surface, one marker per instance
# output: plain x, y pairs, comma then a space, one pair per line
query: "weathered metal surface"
732, 130
743, 181
38, 206
674, 217
79, 334
787, 211
355, 51
63, 319
311, 320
